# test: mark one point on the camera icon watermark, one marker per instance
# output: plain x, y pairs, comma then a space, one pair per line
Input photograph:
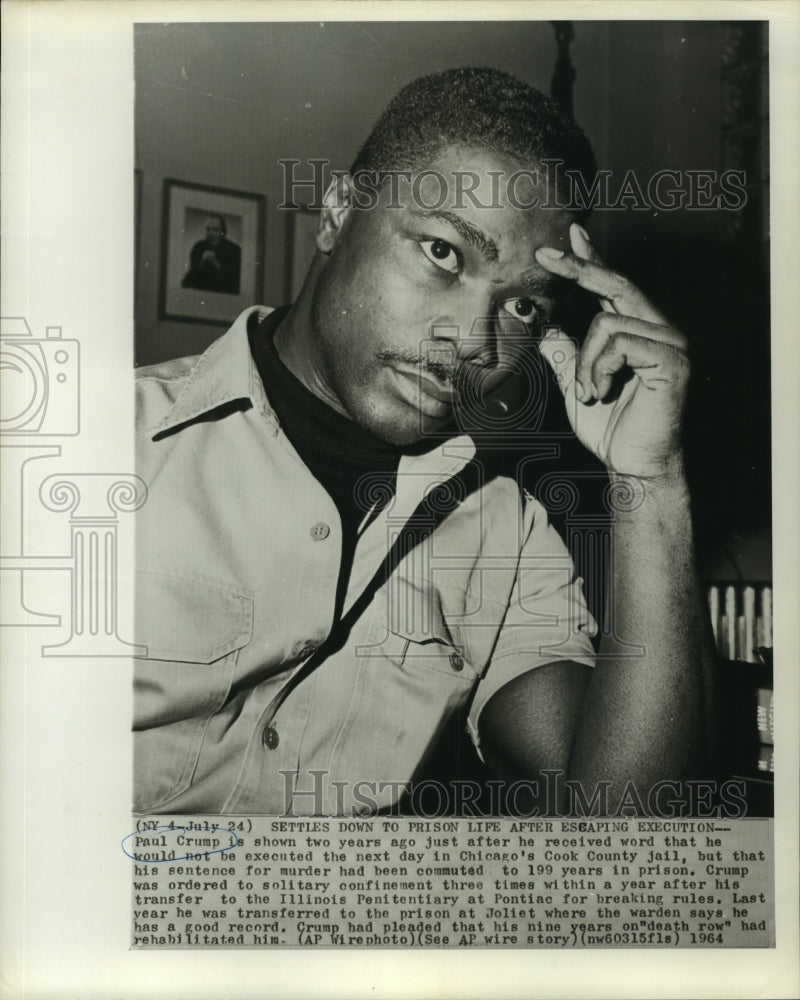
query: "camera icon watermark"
500, 383
40, 399
40, 390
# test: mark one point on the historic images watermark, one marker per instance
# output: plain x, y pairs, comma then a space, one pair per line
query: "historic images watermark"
549, 186
554, 795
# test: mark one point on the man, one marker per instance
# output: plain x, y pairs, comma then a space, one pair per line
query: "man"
214, 262
329, 573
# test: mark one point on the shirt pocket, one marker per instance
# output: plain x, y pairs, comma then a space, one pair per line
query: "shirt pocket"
420, 634
408, 684
192, 629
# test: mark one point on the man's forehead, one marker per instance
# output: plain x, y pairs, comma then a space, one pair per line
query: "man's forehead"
463, 179
461, 159
492, 182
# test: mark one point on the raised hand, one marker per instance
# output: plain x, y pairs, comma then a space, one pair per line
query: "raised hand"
634, 429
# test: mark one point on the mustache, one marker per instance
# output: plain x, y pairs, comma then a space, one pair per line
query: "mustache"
449, 374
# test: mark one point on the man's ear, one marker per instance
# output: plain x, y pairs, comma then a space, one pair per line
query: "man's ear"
336, 206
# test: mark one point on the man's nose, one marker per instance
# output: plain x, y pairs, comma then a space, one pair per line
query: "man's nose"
468, 335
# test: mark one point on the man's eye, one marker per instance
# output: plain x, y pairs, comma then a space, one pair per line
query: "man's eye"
521, 309
440, 253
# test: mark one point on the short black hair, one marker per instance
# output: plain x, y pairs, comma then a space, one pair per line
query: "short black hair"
476, 106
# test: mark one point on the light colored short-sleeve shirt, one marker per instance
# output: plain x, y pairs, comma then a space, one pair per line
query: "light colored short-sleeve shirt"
238, 558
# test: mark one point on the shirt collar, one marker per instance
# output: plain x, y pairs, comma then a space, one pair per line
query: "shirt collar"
226, 372
223, 374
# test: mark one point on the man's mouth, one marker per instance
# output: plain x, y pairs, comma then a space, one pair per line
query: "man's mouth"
433, 396
432, 386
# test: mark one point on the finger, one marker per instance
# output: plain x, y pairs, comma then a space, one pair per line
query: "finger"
597, 278
582, 244
659, 365
583, 247
560, 352
602, 328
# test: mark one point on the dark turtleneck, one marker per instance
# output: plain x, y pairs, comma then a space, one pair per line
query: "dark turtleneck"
337, 451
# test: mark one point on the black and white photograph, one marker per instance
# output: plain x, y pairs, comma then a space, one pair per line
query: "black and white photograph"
401, 562
488, 497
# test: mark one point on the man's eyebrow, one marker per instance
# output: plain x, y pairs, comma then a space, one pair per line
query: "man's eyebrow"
542, 284
473, 235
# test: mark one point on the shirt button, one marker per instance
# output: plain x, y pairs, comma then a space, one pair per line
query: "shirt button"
320, 531
456, 662
270, 738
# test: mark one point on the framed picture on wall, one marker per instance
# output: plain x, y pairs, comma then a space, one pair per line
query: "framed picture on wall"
300, 248
212, 252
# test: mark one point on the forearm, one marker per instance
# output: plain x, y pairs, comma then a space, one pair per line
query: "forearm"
648, 712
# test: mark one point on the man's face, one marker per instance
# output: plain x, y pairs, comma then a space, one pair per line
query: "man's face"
414, 303
213, 230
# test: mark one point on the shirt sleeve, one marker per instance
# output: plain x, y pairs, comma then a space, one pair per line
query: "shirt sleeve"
547, 619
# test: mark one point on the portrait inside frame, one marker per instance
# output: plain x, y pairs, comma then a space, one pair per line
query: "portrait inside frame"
212, 256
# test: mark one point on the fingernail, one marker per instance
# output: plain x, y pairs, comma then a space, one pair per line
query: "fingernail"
582, 231
551, 253
579, 393
595, 391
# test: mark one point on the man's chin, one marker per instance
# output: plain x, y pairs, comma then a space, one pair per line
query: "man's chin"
418, 432
408, 437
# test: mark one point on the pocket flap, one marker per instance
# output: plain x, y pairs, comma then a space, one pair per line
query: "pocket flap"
190, 619
415, 613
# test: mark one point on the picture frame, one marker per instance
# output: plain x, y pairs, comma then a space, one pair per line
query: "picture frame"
301, 244
212, 252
